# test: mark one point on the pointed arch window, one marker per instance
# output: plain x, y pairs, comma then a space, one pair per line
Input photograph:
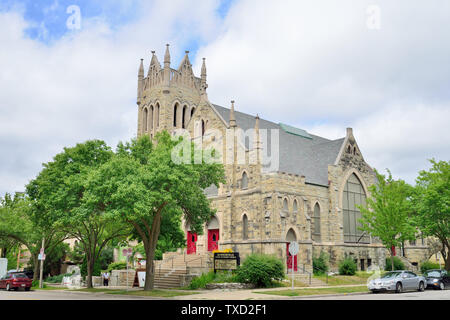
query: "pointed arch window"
157, 115
285, 205
192, 111
316, 223
245, 227
295, 205
175, 110
183, 117
244, 182
145, 119
353, 196
150, 118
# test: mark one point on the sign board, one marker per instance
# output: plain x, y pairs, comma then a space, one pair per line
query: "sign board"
141, 278
41, 256
293, 248
226, 261
127, 252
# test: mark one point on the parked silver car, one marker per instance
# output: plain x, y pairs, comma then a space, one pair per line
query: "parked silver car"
398, 281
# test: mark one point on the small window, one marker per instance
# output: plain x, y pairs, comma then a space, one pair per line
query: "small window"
285, 205
295, 206
203, 128
175, 110
245, 227
244, 183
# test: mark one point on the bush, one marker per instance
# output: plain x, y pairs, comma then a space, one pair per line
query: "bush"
58, 278
116, 266
398, 264
320, 264
428, 265
347, 267
211, 277
201, 281
260, 270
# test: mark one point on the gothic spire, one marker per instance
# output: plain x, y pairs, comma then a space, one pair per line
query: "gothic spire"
232, 119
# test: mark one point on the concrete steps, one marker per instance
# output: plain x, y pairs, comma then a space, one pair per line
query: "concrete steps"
174, 269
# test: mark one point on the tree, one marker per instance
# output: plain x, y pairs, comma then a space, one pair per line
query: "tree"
58, 192
20, 224
142, 186
387, 212
432, 204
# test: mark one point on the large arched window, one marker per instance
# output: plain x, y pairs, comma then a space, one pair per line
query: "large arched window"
245, 227
316, 223
244, 182
353, 196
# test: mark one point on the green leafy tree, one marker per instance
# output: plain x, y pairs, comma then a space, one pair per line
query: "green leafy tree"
143, 187
387, 212
432, 205
20, 223
58, 192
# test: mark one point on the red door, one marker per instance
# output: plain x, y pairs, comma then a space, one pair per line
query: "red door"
213, 239
289, 259
191, 242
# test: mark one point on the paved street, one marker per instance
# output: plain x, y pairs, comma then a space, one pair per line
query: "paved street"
427, 295
219, 295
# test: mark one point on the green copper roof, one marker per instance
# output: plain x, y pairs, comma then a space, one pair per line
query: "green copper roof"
295, 131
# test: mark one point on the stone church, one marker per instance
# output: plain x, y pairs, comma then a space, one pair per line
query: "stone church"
309, 196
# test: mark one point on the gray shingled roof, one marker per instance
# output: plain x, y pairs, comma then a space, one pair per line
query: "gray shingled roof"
298, 155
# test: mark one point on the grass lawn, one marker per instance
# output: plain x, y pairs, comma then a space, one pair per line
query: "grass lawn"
337, 280
153, 293
309, 292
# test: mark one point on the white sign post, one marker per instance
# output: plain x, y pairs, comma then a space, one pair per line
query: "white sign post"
293, 250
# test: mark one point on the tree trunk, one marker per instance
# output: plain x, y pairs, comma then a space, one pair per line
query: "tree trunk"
149, 269
90, 270
392, 259
36, 266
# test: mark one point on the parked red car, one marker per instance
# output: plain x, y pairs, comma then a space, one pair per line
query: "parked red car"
15, 281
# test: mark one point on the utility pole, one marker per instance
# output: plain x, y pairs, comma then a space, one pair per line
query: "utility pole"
42, 264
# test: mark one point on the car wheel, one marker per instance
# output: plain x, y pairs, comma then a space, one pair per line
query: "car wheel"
27, 289
398, 288
374, 291
441, 285
421, 287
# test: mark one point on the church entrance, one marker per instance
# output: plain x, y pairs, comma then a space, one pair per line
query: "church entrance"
191, 242
213, 234
213, 239
290, 261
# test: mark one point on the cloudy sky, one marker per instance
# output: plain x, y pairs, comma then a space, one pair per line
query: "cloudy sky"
381, 67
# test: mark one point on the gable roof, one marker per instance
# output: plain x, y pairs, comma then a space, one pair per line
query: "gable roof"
300, 152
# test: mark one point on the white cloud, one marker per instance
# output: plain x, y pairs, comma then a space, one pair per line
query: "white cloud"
316, 65
82, 86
